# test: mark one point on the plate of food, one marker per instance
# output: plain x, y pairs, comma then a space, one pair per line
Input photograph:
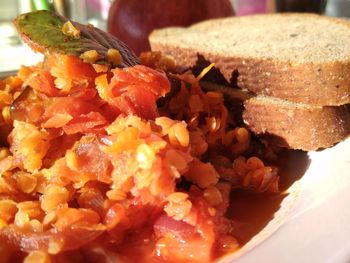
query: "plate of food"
194, 152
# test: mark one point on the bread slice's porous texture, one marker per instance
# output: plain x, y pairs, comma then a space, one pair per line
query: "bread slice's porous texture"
297, 125
297, 57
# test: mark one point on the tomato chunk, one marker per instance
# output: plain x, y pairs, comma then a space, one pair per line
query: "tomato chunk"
180, 241
134, 90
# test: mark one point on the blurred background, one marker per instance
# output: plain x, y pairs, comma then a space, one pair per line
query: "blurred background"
132, 20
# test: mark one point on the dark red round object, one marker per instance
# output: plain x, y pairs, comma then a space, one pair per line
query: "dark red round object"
133, 20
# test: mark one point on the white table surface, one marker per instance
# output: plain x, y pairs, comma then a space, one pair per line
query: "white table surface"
12, 57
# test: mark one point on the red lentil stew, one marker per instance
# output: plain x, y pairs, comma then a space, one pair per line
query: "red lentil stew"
93, 170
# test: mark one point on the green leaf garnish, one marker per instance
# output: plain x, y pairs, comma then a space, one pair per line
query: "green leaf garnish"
42, 30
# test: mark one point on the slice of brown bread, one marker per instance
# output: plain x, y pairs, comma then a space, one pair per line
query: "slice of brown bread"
297, 125
298, 57
287, 124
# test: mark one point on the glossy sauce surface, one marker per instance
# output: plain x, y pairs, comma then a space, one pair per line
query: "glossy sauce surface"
254, 211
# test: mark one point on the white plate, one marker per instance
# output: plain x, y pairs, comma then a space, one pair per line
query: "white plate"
318, 227
313, 224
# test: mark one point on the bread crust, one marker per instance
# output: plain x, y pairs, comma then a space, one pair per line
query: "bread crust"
298, 127
310, 83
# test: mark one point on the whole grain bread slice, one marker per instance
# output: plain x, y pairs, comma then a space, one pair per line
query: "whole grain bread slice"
297, 125
298, 57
